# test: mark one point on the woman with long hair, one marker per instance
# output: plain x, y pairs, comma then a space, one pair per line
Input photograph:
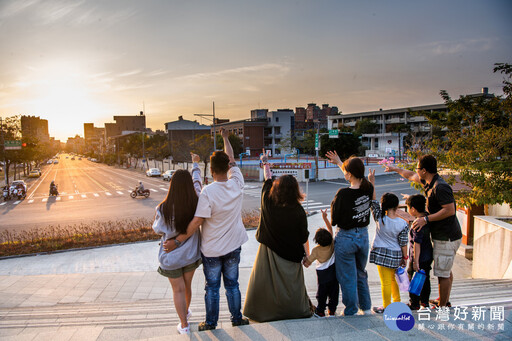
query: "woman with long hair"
172, 218
276, 288
350, 212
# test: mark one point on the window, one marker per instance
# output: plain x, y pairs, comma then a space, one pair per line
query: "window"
376, 143
277, 119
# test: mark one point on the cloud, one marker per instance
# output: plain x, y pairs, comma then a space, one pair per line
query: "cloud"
16, 7
456, 47
130, 73
256, 70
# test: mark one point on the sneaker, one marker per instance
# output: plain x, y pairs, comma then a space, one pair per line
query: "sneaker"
378, 310
318, 314
367, 312
185, 330
205, 326
332, 313
242, 322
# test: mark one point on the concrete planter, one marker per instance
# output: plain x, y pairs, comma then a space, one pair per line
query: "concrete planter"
492, 253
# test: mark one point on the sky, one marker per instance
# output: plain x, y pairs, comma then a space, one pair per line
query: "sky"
73, 62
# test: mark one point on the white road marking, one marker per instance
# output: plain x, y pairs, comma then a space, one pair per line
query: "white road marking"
154, 190
119, 192
31, 201
107, 193
70, 197
96, 194
3, 203
318, 206
164, 189
58, 198
84, 196
44, 199
16, 202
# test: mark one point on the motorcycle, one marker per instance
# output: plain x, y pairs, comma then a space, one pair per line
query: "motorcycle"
54, 191
20, 193
144, 193
6, 194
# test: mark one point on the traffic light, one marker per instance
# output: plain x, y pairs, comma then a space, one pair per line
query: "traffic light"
24, 144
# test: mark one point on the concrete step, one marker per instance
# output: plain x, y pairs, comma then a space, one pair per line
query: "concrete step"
161, 312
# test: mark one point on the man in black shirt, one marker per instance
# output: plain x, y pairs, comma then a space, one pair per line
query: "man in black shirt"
444, 226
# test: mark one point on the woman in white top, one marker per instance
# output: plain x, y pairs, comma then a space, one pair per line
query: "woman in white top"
171, 219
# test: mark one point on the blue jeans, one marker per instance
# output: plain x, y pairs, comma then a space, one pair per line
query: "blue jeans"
351, 248
213, 267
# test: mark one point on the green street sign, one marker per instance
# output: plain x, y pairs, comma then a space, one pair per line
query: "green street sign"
12, 145
317, 142
333, 133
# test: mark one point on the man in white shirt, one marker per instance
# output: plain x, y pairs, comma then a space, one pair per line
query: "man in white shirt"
219, 213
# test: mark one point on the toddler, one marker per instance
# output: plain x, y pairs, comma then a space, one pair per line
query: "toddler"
323, 253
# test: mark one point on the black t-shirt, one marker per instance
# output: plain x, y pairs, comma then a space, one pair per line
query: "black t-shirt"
283, 229
351, 208
439, 193
421, 237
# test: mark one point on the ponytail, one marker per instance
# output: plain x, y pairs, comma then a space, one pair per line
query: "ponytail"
355, 166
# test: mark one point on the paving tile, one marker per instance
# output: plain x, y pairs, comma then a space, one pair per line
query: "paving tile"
115, 334
87, 334
10, 331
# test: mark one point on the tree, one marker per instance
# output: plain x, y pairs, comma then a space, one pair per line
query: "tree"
235, 141
11, 131
345, 145
477, 143
366, 126
203, 146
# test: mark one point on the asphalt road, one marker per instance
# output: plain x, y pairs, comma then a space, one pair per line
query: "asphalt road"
91, 191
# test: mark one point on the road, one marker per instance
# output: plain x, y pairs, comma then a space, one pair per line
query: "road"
96, 192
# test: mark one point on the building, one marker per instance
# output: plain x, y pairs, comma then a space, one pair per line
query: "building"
250, 132
182, 135
280, 125
387, 141
94, 138
257, 114
35, 127
75, 144
301, 120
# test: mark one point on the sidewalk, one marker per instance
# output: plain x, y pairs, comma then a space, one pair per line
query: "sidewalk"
114, 292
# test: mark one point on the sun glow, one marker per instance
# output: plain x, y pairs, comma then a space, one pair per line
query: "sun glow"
64, 95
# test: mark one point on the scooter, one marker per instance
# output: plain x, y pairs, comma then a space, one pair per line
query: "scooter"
54, 191
6, 194
144, 193
21, 193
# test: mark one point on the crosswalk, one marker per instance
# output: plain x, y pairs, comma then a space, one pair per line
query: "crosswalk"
63, 196
309, 205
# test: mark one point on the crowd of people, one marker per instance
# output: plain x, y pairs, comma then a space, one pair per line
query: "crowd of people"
203, 225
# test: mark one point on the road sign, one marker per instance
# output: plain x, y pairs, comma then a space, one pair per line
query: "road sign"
317, 142
333, 133
12, 145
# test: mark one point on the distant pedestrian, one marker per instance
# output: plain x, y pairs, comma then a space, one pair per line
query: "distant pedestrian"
219, 211
350, 212
389, 247
276, 289
444, 226
323, 253
172, 218
420, 251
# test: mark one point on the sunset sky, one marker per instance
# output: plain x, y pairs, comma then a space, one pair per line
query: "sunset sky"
85, 61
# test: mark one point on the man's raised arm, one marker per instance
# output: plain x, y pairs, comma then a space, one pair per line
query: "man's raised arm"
406, 174
227, 145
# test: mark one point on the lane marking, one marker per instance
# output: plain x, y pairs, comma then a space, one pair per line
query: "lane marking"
96, 194
119, 192
31, 201
154, 190
44, 199
16, 202
58, 198
71, 197
84, 196
3, 203
108, 193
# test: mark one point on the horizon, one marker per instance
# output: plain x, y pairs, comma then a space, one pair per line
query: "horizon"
88, 61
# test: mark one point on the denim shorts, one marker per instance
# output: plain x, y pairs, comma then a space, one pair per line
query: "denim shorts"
177, 273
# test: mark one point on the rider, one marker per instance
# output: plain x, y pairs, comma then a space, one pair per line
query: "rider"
140, 188
52, 186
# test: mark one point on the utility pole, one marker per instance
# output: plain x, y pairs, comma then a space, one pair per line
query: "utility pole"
3, 149
214, 134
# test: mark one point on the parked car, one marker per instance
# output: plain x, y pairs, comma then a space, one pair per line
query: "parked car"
19, 182
49, 162
168, 174
94, 160
34, 174
55, 162
153, 172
